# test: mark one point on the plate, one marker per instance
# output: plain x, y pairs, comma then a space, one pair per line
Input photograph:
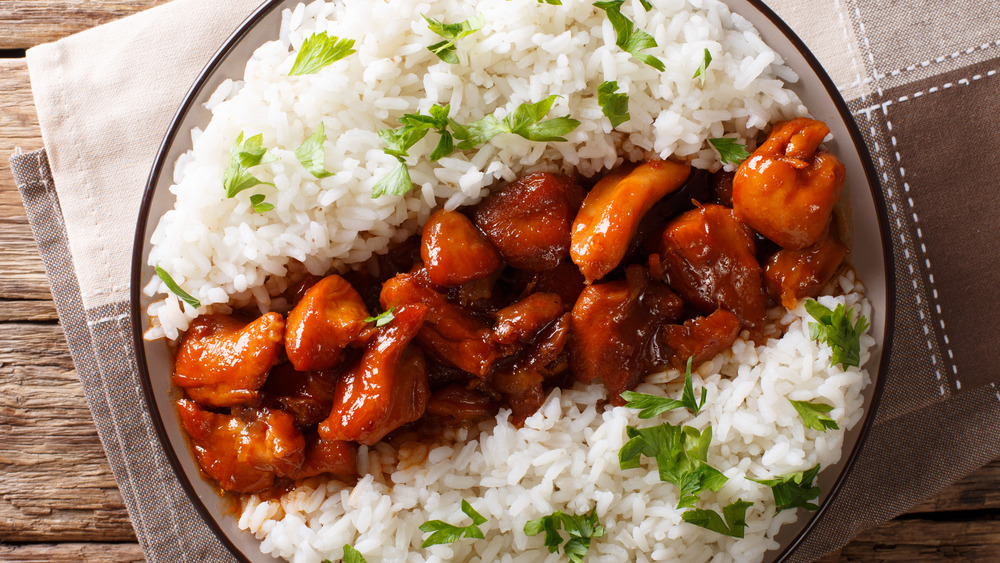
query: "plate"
863, 195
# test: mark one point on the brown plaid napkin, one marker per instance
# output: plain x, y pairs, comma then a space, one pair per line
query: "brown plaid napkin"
921, 79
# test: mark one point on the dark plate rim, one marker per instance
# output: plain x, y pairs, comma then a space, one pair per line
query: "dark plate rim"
189, 101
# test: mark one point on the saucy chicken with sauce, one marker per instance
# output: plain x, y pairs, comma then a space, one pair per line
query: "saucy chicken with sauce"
543, 283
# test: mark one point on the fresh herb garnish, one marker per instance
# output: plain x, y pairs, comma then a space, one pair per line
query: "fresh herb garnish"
793, 490
730, 150
452, 32
259, 205
814, 415
383, 319
444, 532
652, 405
550, 2
834, 328
680, 454
242, 157
630, 39
526, 121
397, 143
613, 104
396, 182
352, 555
646, 5
581, 529
437, 119
703, 67
176, 289
311, 155
732, 522
319, 51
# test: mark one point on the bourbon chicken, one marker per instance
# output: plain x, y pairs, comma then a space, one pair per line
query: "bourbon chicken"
542, 284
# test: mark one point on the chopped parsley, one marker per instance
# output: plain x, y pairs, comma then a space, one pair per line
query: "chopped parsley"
310, 153
320, 51
551, 2
652, 405
383, 319
525, 120
613, 104
437, 119
814, 415
580, 529
630, 39
793, 490
352, 555
703, 67
176, 289
242, 157
452, 32
835, 329
680, 454
259, 205
397, 143
732, 522
443, 532
396, 182
730, 150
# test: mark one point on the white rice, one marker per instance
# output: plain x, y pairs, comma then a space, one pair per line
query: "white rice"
222, 253
566, 458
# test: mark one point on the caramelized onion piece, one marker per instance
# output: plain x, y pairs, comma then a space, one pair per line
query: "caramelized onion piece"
243, 453
222, 361
708, 257
387, 389
792, 275
329, 317
787, 189
701, 338
612, 211
529, 220
454, 251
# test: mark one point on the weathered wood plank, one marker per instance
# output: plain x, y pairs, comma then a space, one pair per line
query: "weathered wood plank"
22, 310
978, 491
23, 272
72, 553
26, 24
926, 541
19, 124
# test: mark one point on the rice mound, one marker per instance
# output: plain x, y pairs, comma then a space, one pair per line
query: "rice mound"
225, 255
566, 458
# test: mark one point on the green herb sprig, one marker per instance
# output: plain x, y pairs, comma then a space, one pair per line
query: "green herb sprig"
443, 532
259, 205
793, 490
581, 529
703, 67
732, 523
319, 51
630, 39
525, 120
437, 120
310, 153
613, 104
382, 319
242, 157
452, 32
814, 415
176, 289
835, 329
653, 405
730, 150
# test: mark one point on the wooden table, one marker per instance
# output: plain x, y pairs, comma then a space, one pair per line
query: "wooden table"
58, 499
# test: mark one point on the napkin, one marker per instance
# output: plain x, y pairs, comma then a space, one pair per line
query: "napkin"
921, 83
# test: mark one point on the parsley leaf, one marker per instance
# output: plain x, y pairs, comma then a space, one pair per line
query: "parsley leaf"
320, 51
630, 39
613, 104
452, 32
834, 327
310, 153
731, 523
551, 2
242, 157
646, 5
398, 141
352, 555
383, 319
652, 405
730, 150
525, 120
396, 182
176, 289
793, 490
680, 454
436, 119
580, 529
444, 532
258, 204
814, 415
703, 67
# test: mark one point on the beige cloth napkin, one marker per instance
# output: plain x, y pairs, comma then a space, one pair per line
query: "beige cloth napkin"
105, 98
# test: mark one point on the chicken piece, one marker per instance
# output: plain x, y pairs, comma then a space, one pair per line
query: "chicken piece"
708, 257
450, 334
455, 252
529, 220
521, 321
222, 361
244, 452
701, 338
328, 456
614, 326
612, 211
786, 190
521, 380
308, 395
459, 403
564, 280
329, 317
387, 389
792, 275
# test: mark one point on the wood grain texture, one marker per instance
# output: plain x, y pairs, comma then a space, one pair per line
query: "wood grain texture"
925, 540
72, 553
24, 24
